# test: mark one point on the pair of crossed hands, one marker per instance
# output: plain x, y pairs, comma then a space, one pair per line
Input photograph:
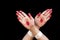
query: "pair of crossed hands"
28, 21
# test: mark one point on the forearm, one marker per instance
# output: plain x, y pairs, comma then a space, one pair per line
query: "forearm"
34, 31
43, 37
27, 37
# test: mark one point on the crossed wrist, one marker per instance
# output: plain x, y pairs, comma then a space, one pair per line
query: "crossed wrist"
37, 36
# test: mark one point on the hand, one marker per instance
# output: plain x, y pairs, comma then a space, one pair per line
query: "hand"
27, 21
41, 19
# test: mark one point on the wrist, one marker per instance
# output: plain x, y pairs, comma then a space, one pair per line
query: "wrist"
30, 34
34, 30
38, 35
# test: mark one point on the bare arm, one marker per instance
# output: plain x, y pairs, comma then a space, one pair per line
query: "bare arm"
27, 37
34, 30
43, 37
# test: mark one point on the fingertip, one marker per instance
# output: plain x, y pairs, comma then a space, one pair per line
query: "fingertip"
38, 14
18, 18
50, 11
17, 14
20, 11
16, 11
29, 14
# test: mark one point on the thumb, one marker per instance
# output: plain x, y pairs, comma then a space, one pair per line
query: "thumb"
30, 16
38, 15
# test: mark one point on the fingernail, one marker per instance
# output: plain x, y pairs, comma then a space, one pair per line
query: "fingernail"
20, 11
18, 18
17, 14
29, 14
38, 14
17, 11
47, 10
50, 11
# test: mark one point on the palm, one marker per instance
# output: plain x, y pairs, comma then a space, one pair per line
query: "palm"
41, 19
27, 23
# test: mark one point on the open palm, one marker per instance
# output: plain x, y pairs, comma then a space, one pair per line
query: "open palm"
41, 19
26, 21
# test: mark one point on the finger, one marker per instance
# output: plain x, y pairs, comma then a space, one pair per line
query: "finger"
48, 12
20, 14
45, 11
19, 19
24, 14
38, 15
48, 18
30, 16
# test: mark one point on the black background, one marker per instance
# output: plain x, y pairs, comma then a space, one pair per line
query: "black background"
51, 28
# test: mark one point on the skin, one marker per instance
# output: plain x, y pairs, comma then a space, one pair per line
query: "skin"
43, 18
23, 19
39, 19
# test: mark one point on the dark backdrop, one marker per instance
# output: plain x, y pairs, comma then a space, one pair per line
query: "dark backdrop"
51, 28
